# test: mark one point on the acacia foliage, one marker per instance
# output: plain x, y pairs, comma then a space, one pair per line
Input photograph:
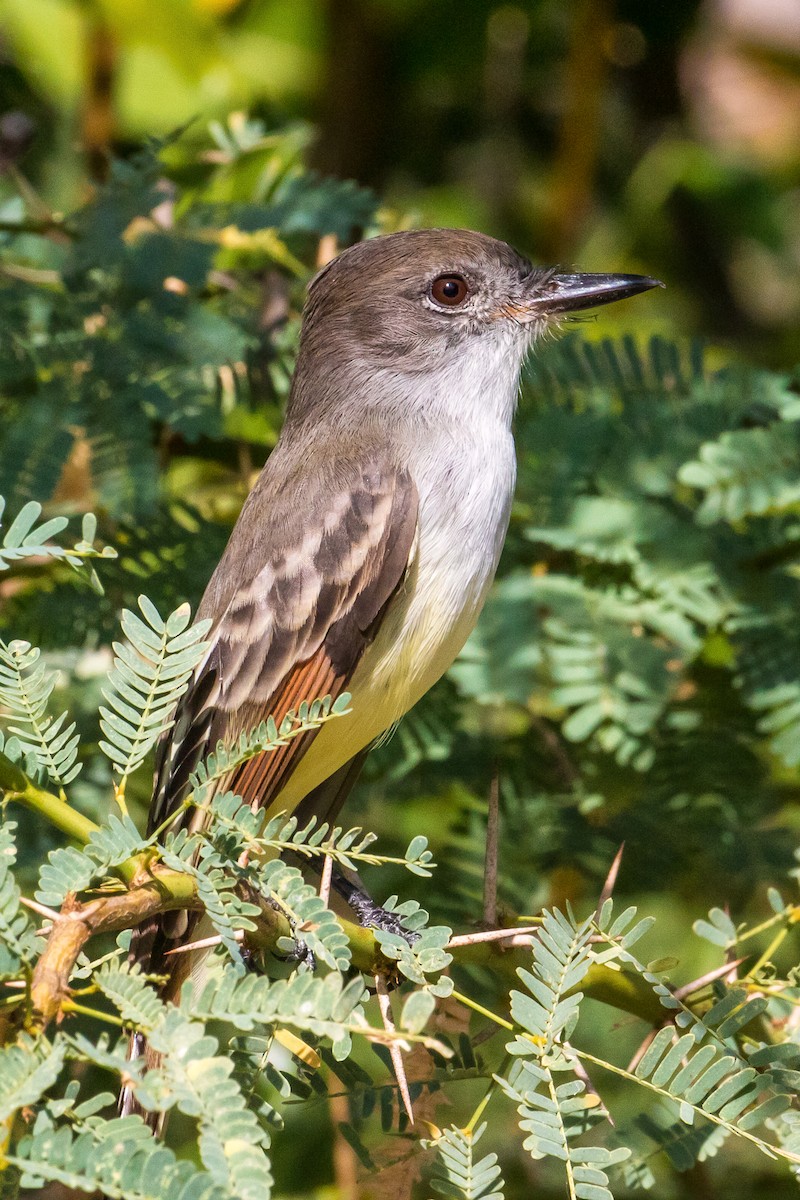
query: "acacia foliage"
740, 1082
636, 676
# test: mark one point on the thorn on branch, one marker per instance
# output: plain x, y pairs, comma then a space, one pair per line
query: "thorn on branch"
611, 880
490, 862
203, 943
41, 910
395, 1052
325, 880
511, 937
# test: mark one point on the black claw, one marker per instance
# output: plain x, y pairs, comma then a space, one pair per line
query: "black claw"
301, 953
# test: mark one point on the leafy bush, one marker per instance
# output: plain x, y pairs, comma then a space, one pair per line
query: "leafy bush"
636, 676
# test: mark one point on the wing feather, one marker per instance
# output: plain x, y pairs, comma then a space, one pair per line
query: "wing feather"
296, 625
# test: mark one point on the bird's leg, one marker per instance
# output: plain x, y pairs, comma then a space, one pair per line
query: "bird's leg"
322, 804
349, 886
369, 914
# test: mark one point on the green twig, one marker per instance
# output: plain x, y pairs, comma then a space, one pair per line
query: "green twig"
481, 1109
16, 785
485, 1012
71, 1007
776, 942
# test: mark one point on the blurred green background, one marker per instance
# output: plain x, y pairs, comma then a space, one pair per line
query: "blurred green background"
655, 135
637, 673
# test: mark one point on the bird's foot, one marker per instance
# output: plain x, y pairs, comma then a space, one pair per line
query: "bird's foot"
301, 954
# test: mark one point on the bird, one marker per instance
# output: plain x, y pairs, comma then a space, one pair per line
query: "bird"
365, 550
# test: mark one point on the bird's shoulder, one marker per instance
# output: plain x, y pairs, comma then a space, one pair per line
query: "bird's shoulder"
324, 507
319, 549
313, 562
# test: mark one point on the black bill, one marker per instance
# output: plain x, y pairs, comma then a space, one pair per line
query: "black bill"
570, 293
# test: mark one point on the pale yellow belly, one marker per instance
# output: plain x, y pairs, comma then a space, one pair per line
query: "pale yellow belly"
418, 641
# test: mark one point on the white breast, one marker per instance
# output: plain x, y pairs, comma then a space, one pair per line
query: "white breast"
464, 473
465, 486
463, 465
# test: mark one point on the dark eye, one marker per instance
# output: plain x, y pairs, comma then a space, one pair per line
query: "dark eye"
449, 290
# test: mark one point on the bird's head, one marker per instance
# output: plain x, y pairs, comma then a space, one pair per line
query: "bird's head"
443, 286
438, 303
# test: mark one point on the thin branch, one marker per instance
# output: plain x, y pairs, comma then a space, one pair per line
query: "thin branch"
71, 1007
702, 981
77, 923
583, 1075
17, 787
468, 1002
638, 1053
490, 861
152, 889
